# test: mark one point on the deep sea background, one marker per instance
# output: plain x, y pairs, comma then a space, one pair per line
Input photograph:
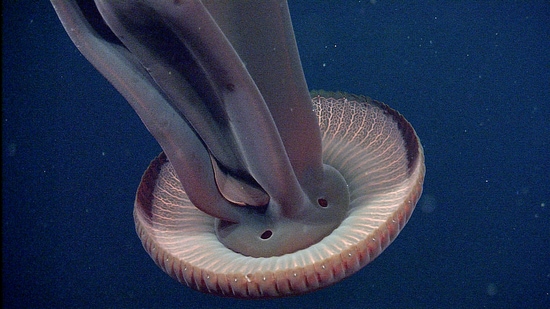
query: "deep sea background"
473, 77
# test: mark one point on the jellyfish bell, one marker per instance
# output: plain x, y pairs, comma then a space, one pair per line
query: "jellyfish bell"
374, 149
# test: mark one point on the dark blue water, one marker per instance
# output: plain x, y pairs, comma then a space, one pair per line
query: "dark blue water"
472, 77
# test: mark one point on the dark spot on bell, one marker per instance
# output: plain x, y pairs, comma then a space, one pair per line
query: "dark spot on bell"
266, 235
